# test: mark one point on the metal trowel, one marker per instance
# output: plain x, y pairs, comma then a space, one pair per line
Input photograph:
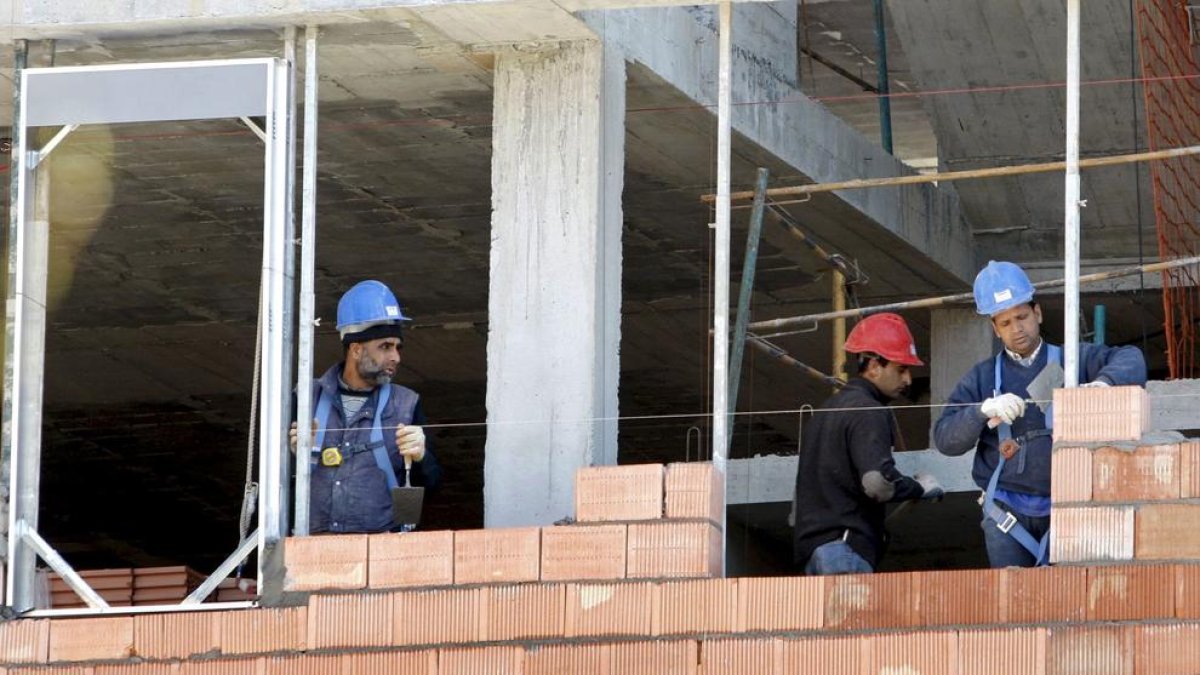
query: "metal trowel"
407, 500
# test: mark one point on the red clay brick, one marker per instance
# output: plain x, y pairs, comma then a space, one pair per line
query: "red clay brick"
122, 669
925, 652
325, 562
497, 660
1189, 470
1100, 414
673, 549
583, 552
855, 601
253, 631
499, 555
1167, 650
762, 656
438, 617
1187, 591
245, 666
523, 612
91, 639
410, 559
1130, 592
378, 663
664, 657
780, 603
1071, 475
1146, 473
578, 659
703, 606
1167, 532
1044, 594
953, 597
1091, 533
1089, 650
165, 636
823, 656
614, 493
25, 641
1002, 652
599, 610
359, 620
694, 490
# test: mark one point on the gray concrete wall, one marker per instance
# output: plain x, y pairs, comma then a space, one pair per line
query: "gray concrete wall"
959, 338
554, 292
680, 45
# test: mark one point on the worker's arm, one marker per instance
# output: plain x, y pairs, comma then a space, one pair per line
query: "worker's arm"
1113, 365
870, 441
962, 422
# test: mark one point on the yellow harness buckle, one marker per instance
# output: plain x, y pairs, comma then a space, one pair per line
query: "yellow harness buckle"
331, 457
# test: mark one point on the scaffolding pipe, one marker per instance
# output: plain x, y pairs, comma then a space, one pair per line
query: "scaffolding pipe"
779, 354
720, 409
963, 298
308, 244
839, 325
885, 101
1071, 225
746, 290
948, 176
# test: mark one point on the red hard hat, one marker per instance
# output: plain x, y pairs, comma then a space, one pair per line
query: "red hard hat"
886, 335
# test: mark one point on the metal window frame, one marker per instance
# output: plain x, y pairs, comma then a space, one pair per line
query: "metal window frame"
28, 251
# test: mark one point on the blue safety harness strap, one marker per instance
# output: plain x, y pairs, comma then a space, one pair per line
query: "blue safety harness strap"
1005, 521
377, 445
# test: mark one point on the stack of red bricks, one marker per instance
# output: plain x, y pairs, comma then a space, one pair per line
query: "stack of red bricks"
125, 586
632, 522
1118, 498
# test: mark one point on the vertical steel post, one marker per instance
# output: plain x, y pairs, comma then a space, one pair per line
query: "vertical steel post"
746, 290
308, 244
885, 101
12, 327
1099, 327
721, 271
839, 325
1071, 226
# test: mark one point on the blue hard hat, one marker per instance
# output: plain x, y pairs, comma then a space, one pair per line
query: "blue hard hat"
368, 303
1001, 286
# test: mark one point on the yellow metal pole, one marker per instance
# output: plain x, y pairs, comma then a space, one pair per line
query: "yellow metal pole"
839, 325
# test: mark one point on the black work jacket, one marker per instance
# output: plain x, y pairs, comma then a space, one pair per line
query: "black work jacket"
838, 449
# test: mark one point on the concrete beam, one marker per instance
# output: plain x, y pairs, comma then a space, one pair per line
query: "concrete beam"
554, 294
1046, 271
929, 235
1174, 405
772, 478
71, 18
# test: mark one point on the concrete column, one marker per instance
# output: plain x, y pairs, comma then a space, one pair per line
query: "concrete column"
555, 282
959, 339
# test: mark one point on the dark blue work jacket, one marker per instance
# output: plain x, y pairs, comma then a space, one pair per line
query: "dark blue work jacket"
354, 497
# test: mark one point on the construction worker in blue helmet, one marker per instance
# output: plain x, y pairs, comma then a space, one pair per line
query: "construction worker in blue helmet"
367, 432
1001, 407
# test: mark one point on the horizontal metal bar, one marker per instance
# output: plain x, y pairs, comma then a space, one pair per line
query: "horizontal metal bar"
964, 298
141, 609
947, 176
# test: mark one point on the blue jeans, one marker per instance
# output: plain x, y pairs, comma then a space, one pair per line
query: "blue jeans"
836, 557
1005, 551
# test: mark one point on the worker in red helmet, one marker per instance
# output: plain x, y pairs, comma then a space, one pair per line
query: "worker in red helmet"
846, 473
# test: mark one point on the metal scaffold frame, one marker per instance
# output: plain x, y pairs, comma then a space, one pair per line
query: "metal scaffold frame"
131, 93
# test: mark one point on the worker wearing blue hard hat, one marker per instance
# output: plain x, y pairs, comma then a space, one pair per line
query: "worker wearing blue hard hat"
1001, 407
366, 429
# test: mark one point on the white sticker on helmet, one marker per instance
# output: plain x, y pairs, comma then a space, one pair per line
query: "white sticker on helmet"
392, 310
1001, 296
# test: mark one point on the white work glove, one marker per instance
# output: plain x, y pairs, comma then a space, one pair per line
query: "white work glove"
411, 441
933, 489
1095, 383
1006, 407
